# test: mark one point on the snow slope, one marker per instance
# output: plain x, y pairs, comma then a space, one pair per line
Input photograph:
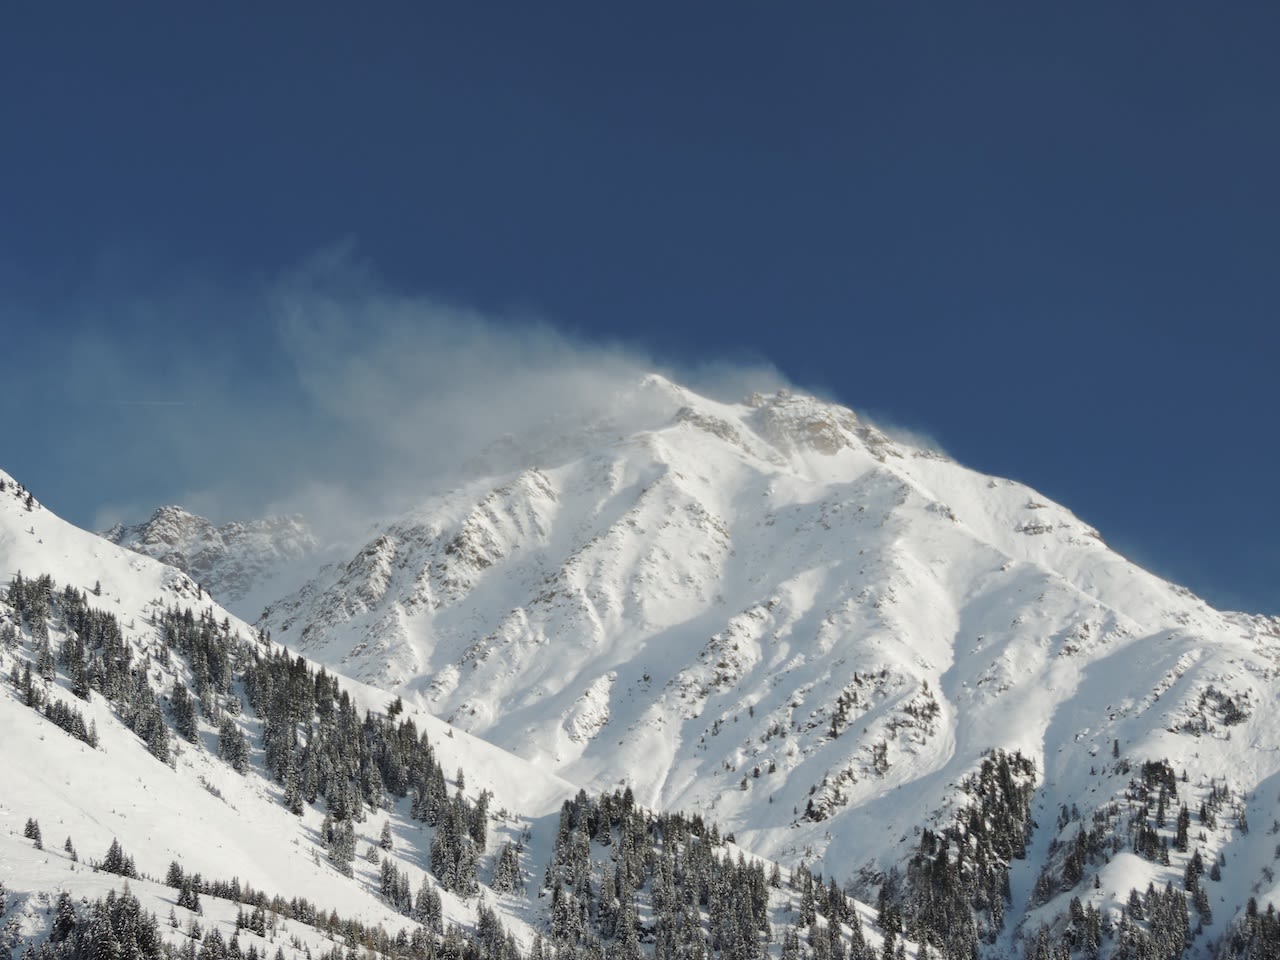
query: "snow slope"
196, 810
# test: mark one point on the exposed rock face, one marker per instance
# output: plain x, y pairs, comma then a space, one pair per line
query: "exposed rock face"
798, 422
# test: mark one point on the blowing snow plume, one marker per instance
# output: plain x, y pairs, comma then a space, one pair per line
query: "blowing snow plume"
328, 394
414, 393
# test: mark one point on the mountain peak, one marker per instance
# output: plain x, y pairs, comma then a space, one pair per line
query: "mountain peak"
659, 384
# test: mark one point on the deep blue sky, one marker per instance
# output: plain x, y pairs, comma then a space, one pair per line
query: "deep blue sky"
1046, 234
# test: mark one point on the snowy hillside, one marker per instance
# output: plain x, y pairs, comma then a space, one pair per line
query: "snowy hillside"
195, 808
163, 754
773, 612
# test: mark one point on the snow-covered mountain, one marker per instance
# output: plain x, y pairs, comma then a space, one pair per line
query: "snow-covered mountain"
773, 612
846, 650
238, 562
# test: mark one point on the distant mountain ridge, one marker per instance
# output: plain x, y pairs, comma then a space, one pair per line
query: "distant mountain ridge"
231, 560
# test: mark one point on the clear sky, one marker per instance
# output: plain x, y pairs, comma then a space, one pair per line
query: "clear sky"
1046, 235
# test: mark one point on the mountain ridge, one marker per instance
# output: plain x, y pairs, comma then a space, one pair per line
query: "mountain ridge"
235, 561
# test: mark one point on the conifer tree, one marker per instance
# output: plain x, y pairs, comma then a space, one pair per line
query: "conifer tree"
232, 746
118, 862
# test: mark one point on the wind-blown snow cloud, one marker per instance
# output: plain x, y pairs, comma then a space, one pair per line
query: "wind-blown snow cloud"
347, 400
424, 390
909, 435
